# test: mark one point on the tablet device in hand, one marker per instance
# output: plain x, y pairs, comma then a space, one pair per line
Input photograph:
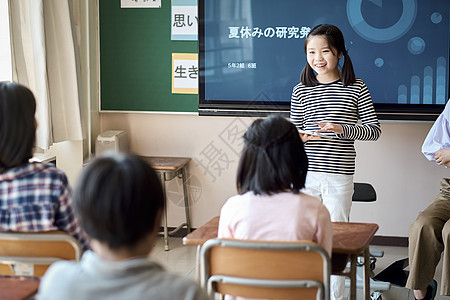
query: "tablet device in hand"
322, 135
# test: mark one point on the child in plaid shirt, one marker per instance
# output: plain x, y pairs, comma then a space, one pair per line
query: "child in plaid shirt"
34, 196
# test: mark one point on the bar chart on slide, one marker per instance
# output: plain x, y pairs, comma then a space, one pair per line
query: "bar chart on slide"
431, 85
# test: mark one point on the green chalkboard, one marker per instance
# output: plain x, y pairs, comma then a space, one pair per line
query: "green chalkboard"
136, 59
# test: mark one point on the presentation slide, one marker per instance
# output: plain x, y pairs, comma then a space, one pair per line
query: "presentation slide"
253, 50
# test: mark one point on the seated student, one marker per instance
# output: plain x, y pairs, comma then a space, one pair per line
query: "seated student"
33, 196
429, 235
271, 172
118, 200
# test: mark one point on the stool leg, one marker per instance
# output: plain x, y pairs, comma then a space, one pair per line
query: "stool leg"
166, 232
186, 201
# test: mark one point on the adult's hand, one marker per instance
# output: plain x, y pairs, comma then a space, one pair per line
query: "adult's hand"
442, 157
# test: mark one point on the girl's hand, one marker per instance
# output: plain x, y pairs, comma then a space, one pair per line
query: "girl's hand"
327, 126
306, 137
442, 157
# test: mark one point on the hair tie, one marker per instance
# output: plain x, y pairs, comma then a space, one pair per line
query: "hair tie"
283, 137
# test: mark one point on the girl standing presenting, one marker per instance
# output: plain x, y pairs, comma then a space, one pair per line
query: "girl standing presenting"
330, 102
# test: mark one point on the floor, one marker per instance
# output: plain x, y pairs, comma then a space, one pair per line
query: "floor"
181, 259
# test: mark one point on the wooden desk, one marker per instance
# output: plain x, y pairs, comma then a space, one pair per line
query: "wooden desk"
18, 288
168, 168
353, 239
350, 240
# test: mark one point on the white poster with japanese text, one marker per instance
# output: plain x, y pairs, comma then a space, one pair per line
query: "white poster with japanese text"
184, 73
184, 20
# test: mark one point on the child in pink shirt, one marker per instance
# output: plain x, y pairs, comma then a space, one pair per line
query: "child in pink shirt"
270, 206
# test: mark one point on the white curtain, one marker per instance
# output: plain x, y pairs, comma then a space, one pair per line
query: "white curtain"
44, 58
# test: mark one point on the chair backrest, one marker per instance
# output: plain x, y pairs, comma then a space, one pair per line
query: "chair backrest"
269, 270
364, 192
30, 254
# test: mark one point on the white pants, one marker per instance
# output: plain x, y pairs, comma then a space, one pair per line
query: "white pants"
335, 191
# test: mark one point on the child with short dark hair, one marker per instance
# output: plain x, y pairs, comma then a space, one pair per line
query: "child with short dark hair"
119, 202
34, 196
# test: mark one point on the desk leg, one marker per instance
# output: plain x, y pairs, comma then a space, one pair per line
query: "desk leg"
197, 263
366, 275
166, 232
186, 200
353, 259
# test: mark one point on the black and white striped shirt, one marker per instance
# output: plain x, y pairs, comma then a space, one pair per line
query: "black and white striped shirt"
332, 102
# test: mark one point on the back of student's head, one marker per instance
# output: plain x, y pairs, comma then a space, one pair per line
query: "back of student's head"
273, 159
336, 42
17, 125
118, 200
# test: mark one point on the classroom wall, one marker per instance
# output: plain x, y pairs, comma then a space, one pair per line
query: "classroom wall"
404, 180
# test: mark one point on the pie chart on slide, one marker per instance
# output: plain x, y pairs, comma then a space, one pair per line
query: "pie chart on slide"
401, 26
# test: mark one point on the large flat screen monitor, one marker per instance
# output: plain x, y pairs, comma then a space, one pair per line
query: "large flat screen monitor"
251, 53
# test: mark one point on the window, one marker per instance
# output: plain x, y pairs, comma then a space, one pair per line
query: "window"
5, 44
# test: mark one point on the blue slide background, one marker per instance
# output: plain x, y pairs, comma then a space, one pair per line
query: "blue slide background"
400, 48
